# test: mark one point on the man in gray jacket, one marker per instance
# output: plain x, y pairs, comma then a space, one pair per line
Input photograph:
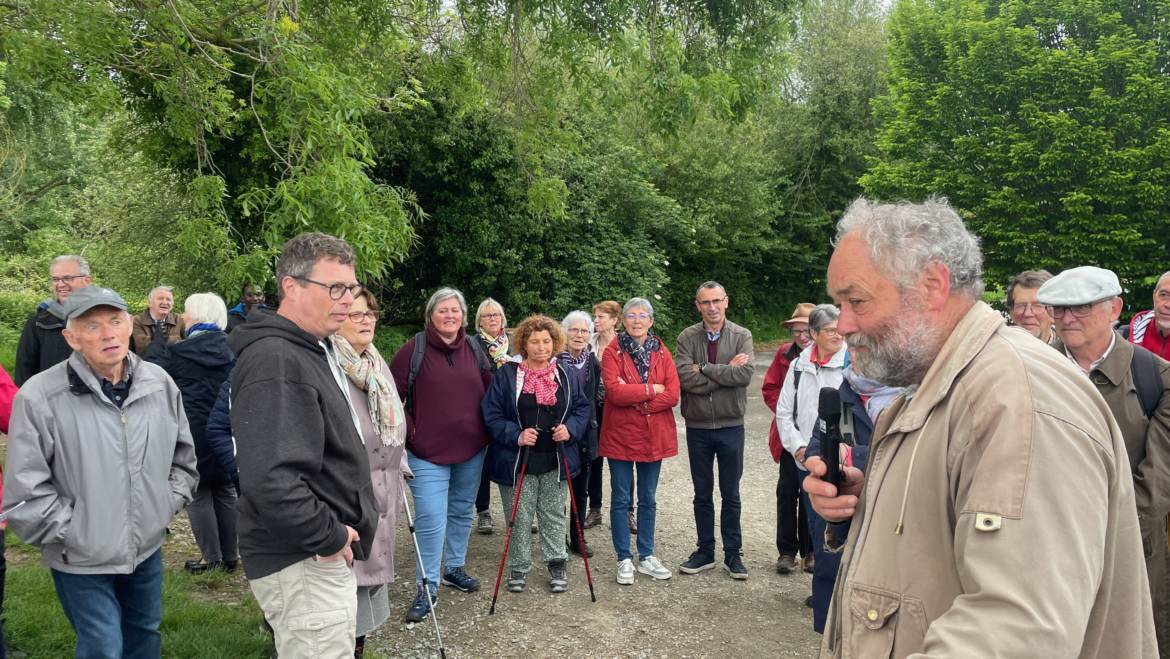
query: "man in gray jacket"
714, 361
99, 460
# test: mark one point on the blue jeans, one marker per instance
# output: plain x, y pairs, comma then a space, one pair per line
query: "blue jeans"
115, 616
621, 475
444, 497
704, 448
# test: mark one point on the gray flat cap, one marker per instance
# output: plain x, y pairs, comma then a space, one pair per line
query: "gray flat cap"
84, 299
1081, 285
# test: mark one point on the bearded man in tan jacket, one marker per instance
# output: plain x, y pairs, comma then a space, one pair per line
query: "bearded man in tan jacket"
995, 517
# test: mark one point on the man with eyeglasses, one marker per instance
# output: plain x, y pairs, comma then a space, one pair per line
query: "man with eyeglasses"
714, 362
1025, 311
1085, 304
41, 343
306, 502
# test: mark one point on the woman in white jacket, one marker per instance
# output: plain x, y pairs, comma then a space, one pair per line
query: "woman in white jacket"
821, 364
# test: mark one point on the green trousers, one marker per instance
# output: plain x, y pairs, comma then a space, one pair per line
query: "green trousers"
542, 497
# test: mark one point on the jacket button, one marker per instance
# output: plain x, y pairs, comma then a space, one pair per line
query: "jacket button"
872, 615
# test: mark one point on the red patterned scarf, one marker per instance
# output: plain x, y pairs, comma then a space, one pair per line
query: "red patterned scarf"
543, 383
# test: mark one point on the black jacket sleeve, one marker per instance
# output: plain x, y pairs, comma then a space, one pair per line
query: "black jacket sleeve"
28, 353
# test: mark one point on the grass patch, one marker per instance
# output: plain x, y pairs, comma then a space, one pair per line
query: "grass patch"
191, 626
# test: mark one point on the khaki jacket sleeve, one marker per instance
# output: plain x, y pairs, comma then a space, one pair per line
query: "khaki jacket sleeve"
1032, 518
1151, 479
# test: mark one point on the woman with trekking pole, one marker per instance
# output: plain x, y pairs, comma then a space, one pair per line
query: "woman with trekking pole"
533, 410
637, 432
383, 423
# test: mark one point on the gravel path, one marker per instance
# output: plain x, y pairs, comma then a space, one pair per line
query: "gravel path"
688, 616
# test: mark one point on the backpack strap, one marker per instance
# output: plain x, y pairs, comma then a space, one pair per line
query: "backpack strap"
481, 357
847, 434
1143, 368
416, 360
795, 392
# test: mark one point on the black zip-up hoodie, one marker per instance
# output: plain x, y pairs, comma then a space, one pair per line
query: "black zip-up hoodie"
304, 474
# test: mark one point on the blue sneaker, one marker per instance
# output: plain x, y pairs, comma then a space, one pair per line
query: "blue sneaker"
421, 605
460, 580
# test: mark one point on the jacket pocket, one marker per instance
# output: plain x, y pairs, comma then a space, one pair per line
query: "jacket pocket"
875, 622
87, 544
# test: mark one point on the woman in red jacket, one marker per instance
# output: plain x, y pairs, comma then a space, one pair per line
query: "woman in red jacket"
637, 432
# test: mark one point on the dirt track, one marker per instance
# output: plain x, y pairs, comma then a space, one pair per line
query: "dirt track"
701, 615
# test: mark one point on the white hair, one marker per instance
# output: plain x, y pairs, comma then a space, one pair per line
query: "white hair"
575, 316
904, 237
205, 308
169, 289
484, 307
445, 293
635, 302
82, 264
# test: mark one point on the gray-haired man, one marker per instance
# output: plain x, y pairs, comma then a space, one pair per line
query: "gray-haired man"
41, 344
101, 457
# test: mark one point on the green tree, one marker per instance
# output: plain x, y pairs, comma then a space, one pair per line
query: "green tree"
1046, 121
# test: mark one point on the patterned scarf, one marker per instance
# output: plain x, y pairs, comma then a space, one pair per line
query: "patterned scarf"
543, 383
365, 371
497, 347
877, 395
640, 354
578, 363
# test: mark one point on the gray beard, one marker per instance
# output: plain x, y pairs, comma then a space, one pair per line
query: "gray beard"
900, 353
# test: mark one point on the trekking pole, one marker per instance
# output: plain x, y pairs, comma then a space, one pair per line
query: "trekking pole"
426, 584
577, 521
511, 522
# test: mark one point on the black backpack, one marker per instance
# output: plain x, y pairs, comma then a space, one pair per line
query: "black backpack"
416, 360
1147, 379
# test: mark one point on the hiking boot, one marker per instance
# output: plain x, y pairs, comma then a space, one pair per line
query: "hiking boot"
633, 522
806, 563
483, 524
460, 580
700, 561
786, 564
592, 518
625, 572
421, 605
733, 563
517, 580
558, 581
653, 567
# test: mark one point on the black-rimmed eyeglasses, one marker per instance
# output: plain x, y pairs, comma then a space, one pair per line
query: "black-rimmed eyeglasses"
336, 291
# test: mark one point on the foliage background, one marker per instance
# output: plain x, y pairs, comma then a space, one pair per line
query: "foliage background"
551, 154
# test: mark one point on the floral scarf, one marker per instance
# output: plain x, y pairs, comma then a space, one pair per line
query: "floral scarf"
640, 354
543, 383
365, 372
497, 348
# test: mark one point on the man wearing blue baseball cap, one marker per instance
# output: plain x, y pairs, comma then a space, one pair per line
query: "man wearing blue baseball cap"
1086, 303
99, 460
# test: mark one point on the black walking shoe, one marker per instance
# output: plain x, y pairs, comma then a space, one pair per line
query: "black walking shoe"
734, 566
421, 606
699, 561
517, 580
573, 547
558, 581
200, 567
461, 581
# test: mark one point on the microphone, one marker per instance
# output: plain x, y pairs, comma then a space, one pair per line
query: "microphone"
829, 421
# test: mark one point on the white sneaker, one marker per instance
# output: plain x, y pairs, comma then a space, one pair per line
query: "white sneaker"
625, 572
654, 567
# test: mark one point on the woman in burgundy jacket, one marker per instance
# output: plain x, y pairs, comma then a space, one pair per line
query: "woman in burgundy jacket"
637, 432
